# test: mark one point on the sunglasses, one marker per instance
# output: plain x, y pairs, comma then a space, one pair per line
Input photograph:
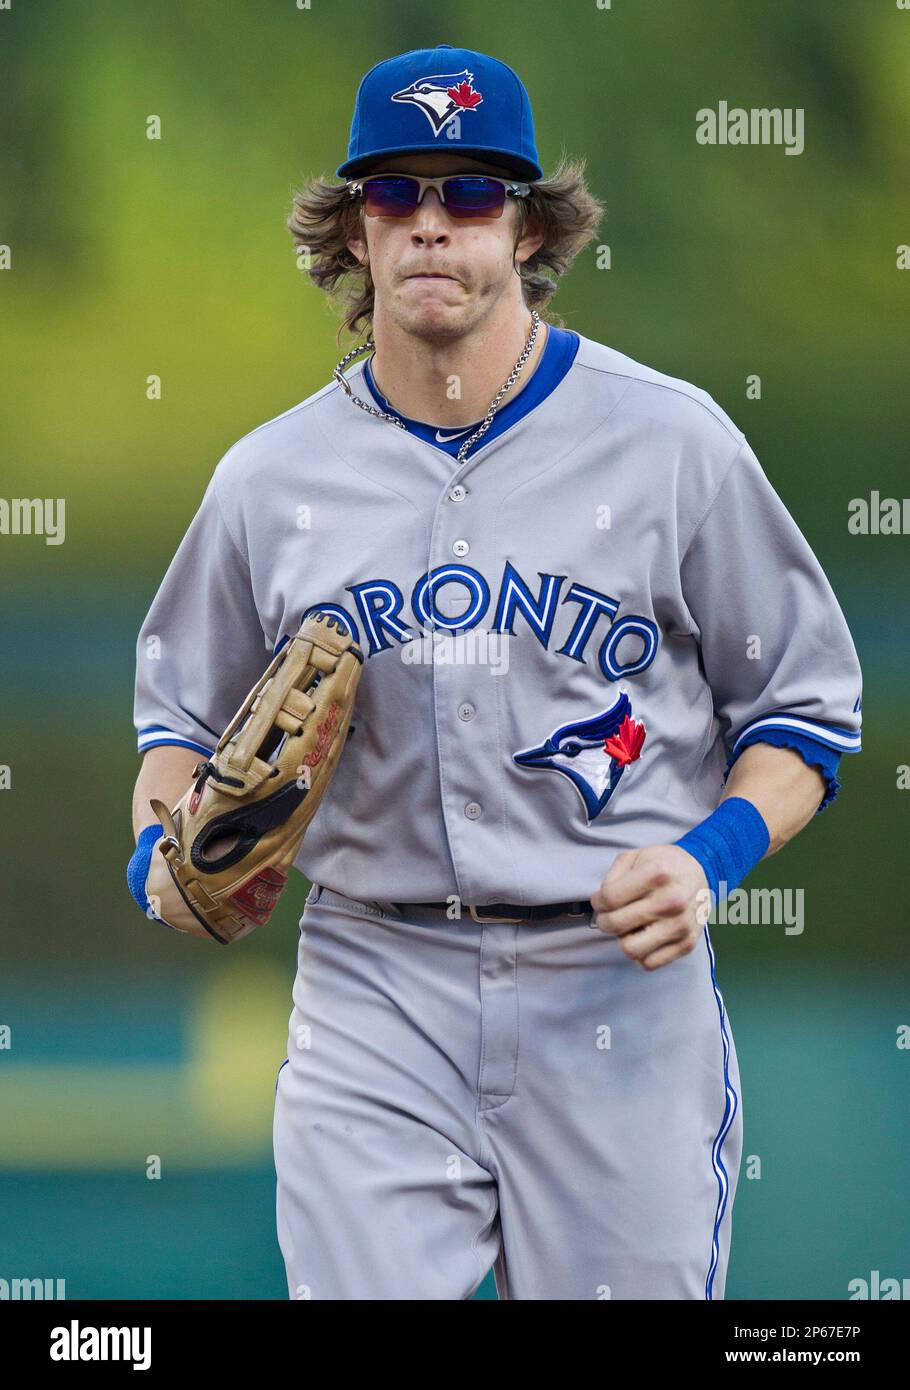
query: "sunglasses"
462, 195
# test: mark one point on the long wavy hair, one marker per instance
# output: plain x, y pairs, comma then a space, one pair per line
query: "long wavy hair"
325, 218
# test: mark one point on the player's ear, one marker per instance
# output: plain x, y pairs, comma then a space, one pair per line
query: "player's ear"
356, 241
530, 240
358, 248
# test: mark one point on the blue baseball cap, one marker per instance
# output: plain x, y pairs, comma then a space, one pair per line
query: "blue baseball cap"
443, 98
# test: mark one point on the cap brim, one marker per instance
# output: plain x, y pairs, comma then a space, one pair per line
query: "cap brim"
524, 169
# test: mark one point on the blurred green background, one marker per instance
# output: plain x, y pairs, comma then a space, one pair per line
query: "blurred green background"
133, 257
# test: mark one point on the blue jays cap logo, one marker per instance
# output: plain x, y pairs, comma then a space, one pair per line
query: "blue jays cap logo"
593, 753
441, 97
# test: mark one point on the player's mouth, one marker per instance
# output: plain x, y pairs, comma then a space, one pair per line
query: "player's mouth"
430, 275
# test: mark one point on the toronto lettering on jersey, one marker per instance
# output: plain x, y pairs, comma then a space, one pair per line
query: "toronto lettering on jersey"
378, 622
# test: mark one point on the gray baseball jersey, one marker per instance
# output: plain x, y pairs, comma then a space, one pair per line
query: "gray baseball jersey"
568, 639
567, 636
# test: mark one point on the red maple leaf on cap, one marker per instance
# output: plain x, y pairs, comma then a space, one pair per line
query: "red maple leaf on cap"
464, 95
625, 746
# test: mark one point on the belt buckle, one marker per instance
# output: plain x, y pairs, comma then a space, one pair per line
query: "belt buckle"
477, 918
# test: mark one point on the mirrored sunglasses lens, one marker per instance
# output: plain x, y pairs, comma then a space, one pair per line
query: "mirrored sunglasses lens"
474, 197
390, 197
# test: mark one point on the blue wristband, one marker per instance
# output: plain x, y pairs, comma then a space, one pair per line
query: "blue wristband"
728, 845
137, 870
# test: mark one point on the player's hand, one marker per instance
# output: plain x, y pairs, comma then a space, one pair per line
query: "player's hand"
655, 901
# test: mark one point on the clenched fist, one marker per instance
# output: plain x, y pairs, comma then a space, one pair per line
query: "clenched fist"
656, 901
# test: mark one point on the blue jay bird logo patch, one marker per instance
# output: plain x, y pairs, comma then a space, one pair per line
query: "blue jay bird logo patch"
441, 97
593, 753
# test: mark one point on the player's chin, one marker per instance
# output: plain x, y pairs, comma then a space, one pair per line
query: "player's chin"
435, 318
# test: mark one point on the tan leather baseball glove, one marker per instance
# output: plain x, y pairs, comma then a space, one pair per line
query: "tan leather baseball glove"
223, 860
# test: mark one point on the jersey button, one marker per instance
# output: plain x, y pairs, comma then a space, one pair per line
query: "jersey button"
457, 493
460, 548
473, 810
466, 711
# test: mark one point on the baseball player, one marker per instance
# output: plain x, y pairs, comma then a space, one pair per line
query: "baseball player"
604, 675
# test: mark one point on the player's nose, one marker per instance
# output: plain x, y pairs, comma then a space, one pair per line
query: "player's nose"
431, 221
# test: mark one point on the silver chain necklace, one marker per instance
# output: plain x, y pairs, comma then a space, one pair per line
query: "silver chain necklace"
507, 385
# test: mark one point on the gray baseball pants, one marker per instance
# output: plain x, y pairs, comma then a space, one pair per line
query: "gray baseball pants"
460, 1096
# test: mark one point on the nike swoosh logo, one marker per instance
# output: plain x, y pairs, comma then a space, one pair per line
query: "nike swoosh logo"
444, 438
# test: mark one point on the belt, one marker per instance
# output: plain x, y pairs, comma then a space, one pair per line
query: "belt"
511, 912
